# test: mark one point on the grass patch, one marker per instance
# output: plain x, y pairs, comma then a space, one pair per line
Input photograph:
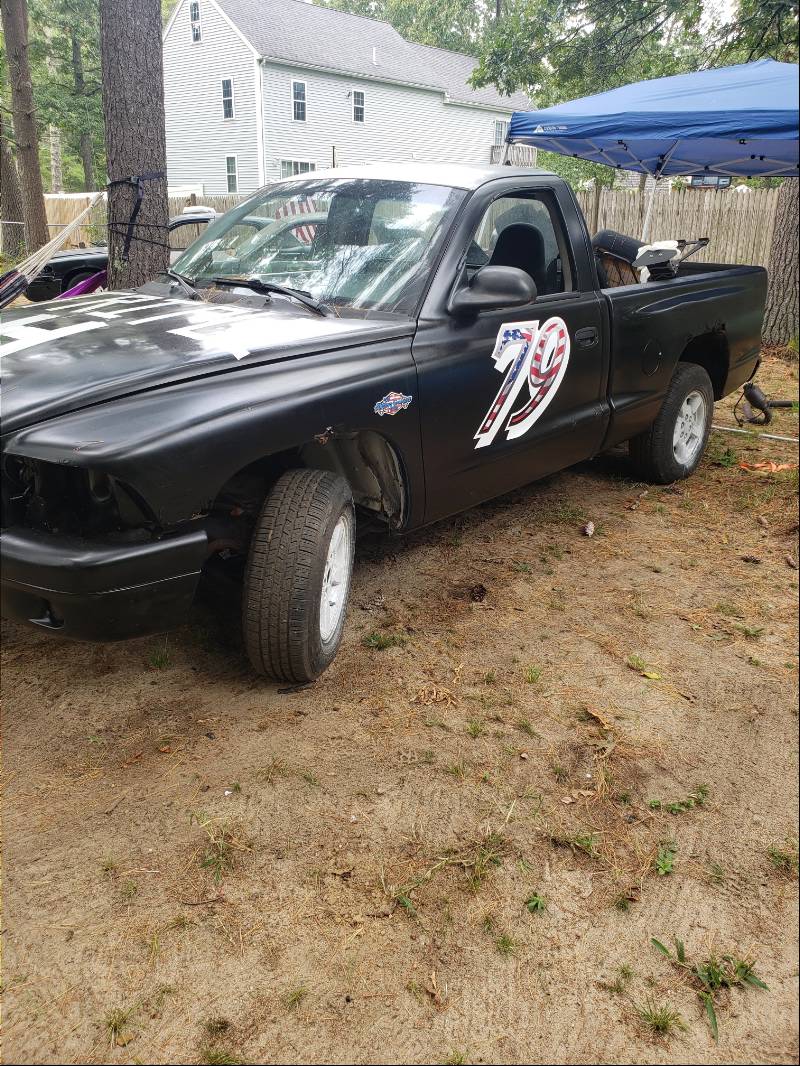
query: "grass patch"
695, 799
533, 674
580, 841
128, 890
477, 860
222, 845
295, 997
116, 1025
505, 945
641, 666
217, 1056
536, 904
381, 641
158, 658
784, 858
712, 977
729, 610
664, 861
660, 1018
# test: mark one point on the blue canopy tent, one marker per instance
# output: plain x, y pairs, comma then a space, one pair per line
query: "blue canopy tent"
737, 121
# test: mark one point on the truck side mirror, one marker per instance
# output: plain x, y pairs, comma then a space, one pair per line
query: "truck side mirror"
493, 287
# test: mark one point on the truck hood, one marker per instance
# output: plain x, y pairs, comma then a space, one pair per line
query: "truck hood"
70, 354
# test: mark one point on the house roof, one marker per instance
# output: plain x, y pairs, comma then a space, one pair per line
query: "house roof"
304, 34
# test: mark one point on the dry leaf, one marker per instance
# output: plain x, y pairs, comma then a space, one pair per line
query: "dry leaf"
604, 722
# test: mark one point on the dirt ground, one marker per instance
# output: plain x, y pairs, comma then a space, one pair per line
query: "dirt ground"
537, 751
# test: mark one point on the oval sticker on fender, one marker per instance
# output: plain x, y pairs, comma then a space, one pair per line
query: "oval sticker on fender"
526, 353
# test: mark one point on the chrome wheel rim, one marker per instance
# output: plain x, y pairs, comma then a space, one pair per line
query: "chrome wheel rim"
336, 577
690, 428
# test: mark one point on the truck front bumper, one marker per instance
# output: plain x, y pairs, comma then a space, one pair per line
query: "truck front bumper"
90, 590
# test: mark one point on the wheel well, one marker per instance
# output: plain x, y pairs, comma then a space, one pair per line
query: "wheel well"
710, 351
366, 460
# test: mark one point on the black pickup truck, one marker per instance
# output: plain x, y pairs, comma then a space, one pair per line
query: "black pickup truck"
398, 343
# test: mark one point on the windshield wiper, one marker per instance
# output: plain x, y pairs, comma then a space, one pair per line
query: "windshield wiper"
185, 284
266, 288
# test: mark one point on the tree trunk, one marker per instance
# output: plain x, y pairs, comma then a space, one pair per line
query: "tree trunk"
781, 312
79, 80
133, 107
15, 29
56, 168
12, 237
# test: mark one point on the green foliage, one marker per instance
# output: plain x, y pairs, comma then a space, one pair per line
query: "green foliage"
54, 26
711, 976
382, 641
660, 1017
664, 862
458, 25
557, 50
536, 903
694, 799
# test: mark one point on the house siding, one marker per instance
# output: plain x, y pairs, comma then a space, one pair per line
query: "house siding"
198, 138
401, 123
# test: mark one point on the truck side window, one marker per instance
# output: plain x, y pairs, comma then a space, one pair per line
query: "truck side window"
523, 231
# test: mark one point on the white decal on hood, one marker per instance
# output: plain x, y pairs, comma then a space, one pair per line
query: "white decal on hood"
25, 335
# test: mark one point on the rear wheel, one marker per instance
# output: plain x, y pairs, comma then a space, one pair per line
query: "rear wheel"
672, 447
297, 578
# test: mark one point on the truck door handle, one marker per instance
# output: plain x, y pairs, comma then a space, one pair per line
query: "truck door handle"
587, 337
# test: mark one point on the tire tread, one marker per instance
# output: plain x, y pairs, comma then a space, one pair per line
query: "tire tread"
283, 550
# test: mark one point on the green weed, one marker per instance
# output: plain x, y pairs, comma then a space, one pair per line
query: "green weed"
381, 641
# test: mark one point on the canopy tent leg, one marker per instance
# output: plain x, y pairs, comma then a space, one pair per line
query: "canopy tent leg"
504, 155
649, 212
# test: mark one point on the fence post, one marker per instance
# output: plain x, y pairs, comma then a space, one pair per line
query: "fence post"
595, 219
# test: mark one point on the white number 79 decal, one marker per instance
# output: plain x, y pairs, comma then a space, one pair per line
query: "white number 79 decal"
527, 353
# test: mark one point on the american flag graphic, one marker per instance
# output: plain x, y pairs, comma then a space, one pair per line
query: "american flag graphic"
509, 336
548, 355
295, 207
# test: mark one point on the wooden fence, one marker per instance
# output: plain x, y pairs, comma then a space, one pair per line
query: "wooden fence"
739, 224
61, 209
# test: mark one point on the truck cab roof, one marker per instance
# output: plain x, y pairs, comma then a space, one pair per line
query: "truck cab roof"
455, 175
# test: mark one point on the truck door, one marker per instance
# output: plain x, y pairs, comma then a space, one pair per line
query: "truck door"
511, 394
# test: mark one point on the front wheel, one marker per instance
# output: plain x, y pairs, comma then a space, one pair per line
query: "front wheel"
297, 578
671, 449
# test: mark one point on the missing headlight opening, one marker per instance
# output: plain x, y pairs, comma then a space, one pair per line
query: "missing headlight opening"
63, 499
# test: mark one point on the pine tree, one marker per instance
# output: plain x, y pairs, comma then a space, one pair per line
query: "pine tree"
133, 108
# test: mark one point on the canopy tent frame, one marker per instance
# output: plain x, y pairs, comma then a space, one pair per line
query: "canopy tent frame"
684, 125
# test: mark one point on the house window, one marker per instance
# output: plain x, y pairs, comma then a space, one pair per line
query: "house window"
227, 97
299, 101
232, 171
500, 131
290, 167
194, 19
358, 106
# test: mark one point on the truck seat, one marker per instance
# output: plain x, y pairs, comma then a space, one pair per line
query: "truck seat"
522, 245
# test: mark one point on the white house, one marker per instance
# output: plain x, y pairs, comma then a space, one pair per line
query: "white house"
255, 90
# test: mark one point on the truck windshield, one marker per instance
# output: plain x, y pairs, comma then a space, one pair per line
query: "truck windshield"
350, 242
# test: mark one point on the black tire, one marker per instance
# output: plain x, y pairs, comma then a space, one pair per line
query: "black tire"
73, 279
652, 452
284, 575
